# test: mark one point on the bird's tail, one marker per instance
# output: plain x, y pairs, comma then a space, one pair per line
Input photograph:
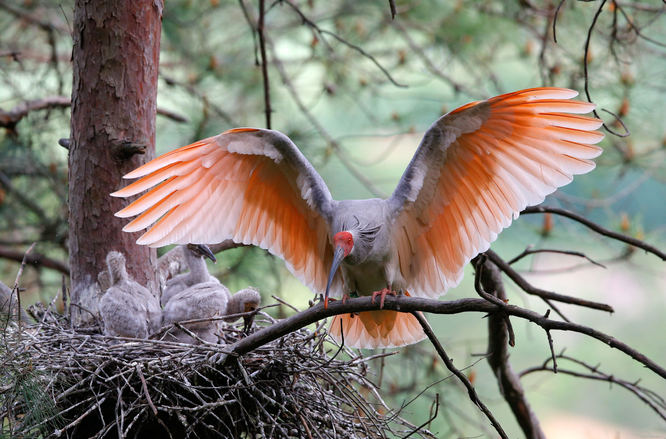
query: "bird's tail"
376, 329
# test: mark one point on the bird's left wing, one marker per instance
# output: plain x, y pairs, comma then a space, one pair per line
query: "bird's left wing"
476, 169
250, 185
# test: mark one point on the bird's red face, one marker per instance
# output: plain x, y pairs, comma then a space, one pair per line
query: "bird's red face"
345, 241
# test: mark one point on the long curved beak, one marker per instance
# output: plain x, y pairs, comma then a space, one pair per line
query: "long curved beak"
338, 256
206, 251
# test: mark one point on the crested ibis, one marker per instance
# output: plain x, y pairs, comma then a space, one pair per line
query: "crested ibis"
204, 301
193, 256
127, 308
475, 169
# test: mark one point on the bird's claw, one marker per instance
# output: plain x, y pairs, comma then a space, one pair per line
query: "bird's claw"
382, 296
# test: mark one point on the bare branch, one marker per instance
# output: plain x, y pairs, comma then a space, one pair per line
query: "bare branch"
264, 63
597, 228
461, 376
36, 259
546, 295
47, 26
650, 398
392, 7
359, 49
9, 119
530, 251
585, 71
322, 131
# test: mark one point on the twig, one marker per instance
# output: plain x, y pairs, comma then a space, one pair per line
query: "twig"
9, 119
322, 131
418, 51
461, 376
529, 289
586, 75
530, 251
597, 228
36, 259
652, 400
264, 64
432, 417
227, 244
557, 11
15, 290
359, 49
393, 12
144, 386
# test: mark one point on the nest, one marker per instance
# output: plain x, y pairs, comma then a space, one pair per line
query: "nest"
60, 382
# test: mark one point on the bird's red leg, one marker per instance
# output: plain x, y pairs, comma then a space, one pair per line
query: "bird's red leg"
345, 296
382, 295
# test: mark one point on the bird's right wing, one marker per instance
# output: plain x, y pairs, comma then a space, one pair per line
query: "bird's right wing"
476, 169
249, 185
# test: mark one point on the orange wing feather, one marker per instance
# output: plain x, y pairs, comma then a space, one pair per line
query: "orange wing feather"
477, 168
207, 193
376, 329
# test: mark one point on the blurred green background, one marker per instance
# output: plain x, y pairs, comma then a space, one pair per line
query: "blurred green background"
359, 125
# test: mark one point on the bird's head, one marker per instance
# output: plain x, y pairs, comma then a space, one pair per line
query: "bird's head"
343, 243
249, 300
201, 251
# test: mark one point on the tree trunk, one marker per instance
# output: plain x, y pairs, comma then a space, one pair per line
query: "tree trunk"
115, 58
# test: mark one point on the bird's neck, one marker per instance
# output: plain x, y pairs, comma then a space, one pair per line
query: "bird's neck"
198, 270
234, 304
118, 273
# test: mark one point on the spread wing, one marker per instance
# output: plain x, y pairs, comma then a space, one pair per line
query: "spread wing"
476, 169
250, 185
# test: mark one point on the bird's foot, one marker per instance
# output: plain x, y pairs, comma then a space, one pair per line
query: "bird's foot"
345, 296
382, 296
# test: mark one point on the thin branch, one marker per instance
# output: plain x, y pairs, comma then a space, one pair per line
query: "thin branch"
15, 290
557, 11
529, 251
264, 63
335, 146
36, 259
432, 417
144, 386
461, 376
393, 12
22, 198
201, 96
172, 115
597, 228
227, 244
9, 119
586, 75
416, 49
359, 49
530, 289
652, 400
45, 25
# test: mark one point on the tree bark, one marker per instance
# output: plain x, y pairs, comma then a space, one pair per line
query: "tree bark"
114, 94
